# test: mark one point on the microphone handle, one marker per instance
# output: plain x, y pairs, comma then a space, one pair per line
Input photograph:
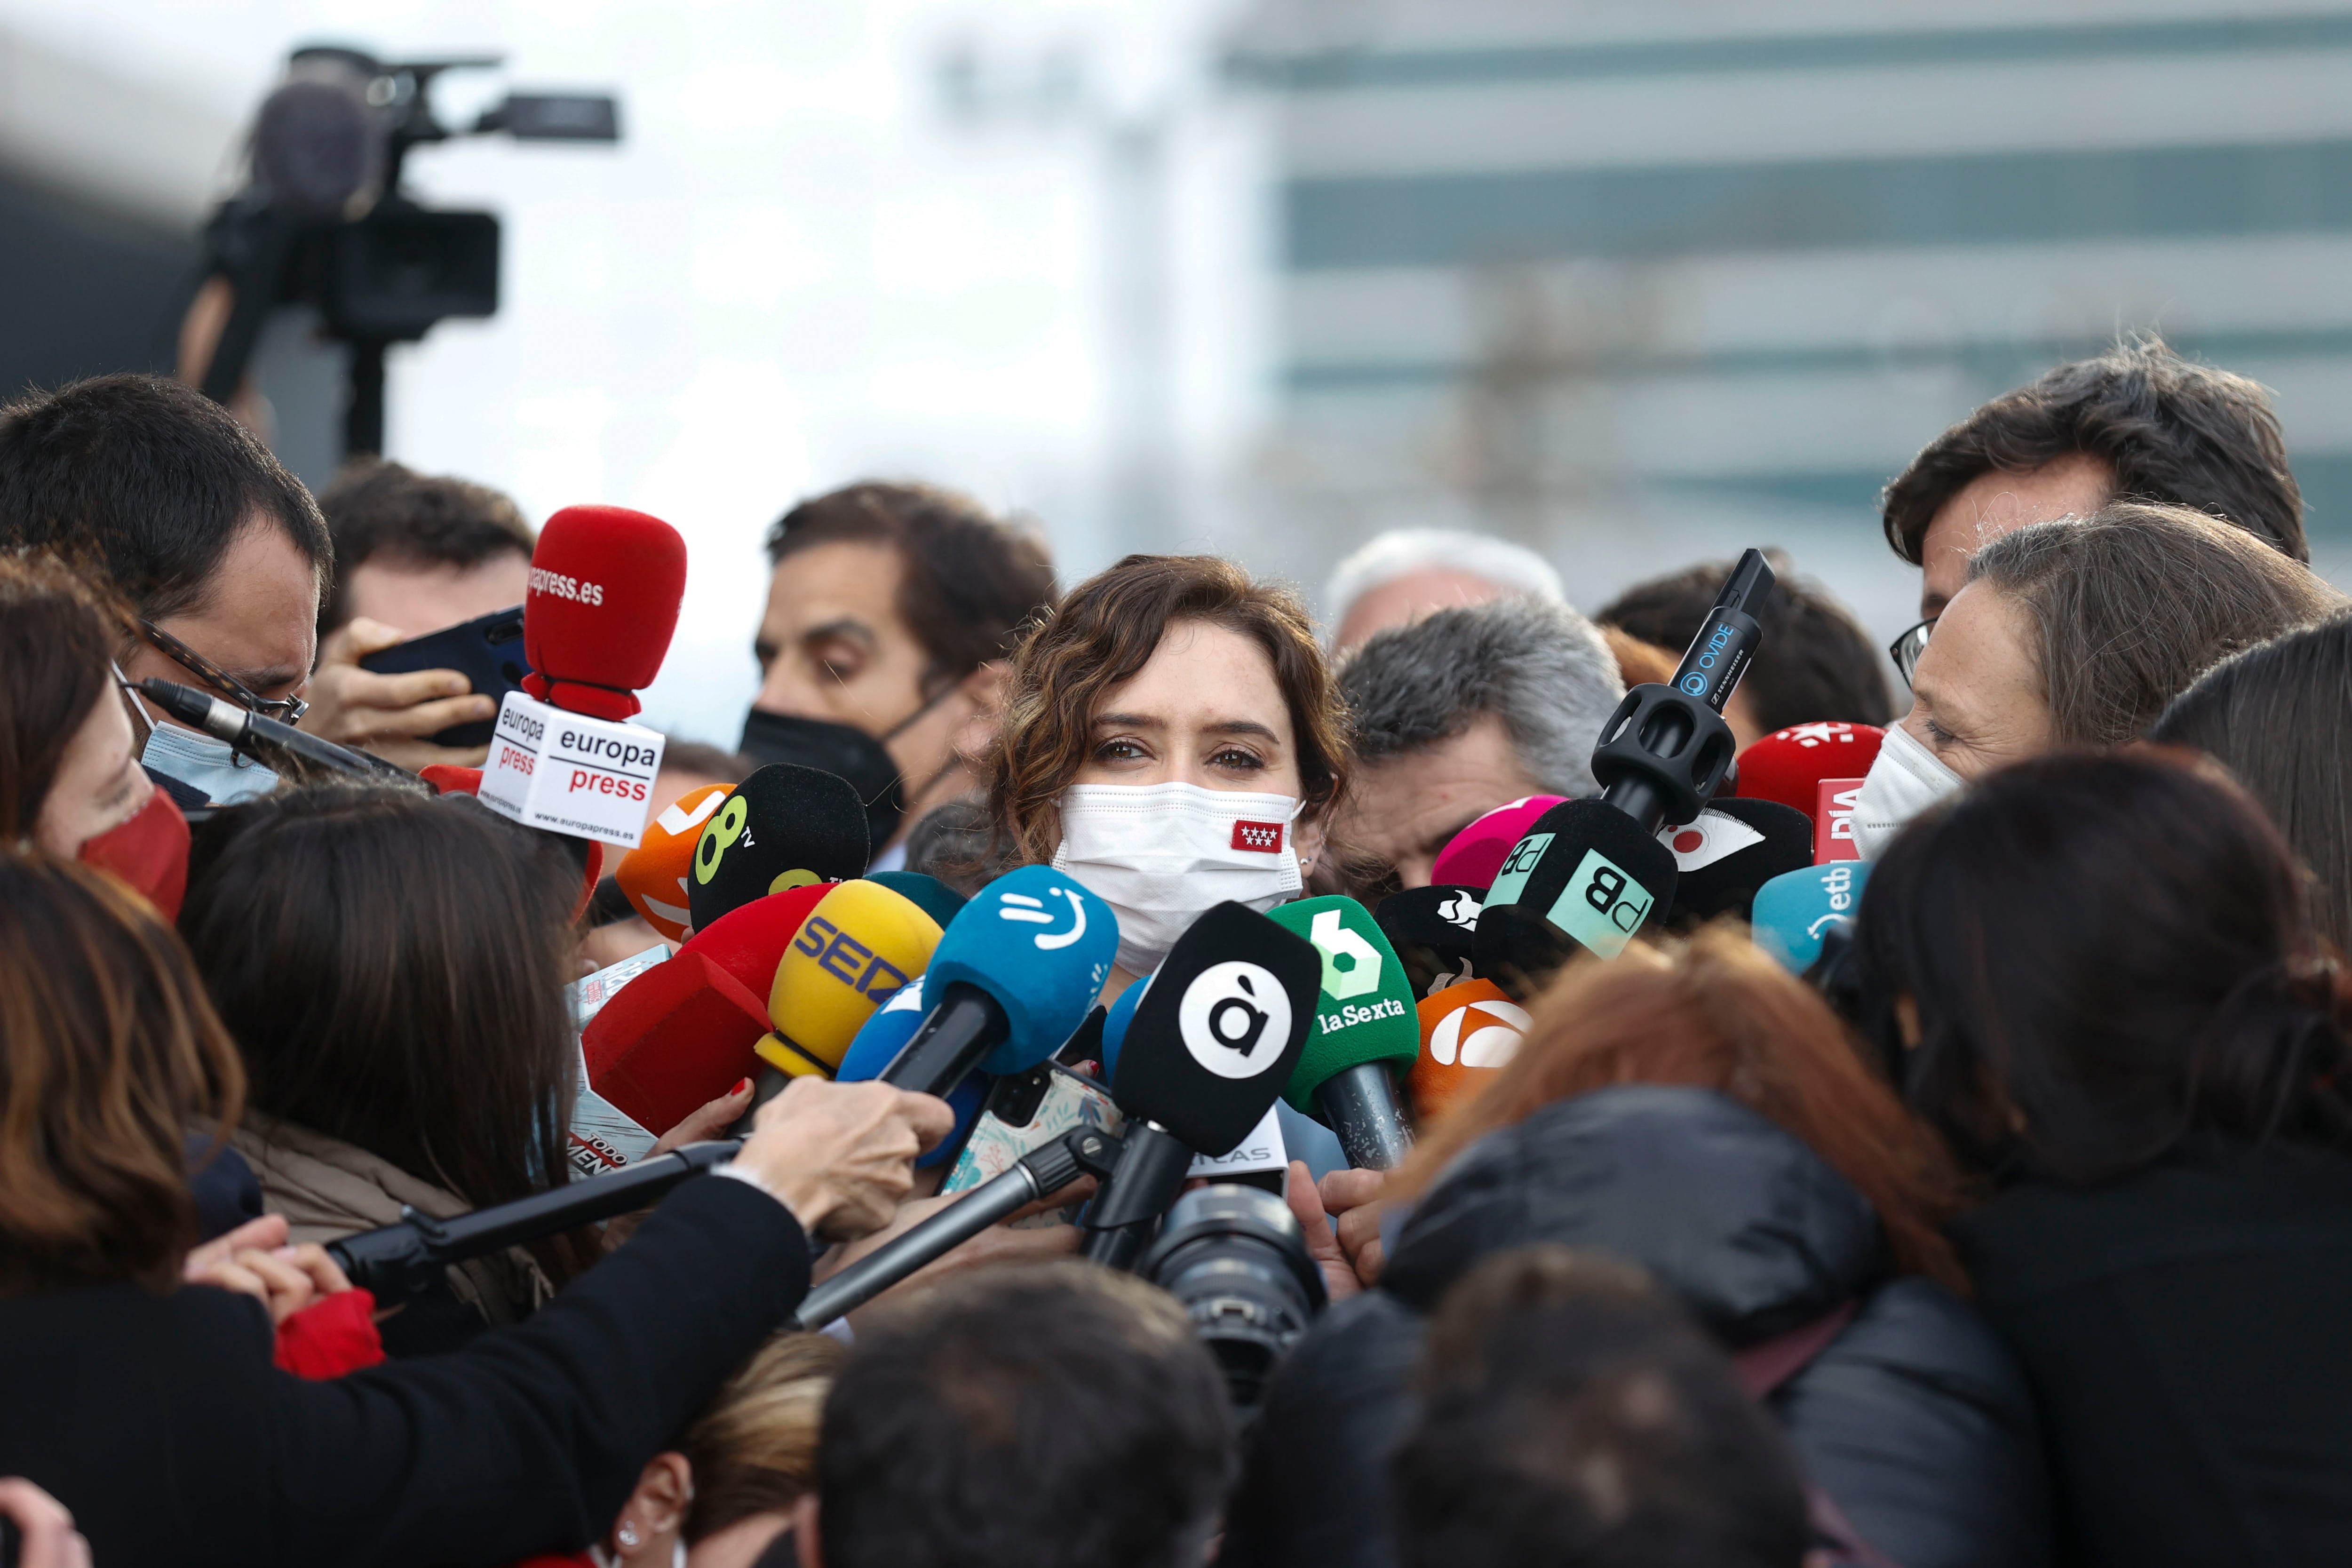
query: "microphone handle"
1043, 1171
398, 1260
1360, 1104
251, 733
1149, 1174
954, 1038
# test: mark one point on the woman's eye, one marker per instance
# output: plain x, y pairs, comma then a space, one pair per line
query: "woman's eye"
1233, 757
1119, 751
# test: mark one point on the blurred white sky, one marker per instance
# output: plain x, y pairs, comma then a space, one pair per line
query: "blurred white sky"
797, 267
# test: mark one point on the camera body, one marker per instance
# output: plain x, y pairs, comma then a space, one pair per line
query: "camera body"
1236, 1259
323, 219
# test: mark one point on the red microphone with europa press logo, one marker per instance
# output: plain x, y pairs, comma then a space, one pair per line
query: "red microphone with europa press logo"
605, 587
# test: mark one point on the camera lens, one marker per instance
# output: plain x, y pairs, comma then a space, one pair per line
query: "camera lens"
1237, 1260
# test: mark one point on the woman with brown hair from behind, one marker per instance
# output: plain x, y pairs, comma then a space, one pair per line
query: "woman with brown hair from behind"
1696, 1111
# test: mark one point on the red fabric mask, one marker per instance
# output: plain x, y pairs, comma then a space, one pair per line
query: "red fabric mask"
148, 849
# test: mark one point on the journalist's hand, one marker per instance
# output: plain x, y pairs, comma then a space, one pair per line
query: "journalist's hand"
841, 1155
389, 714
253, 1261
50, 1540
1354, 1197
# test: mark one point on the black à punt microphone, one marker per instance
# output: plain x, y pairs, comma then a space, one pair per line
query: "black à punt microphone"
264, 740
1206, 1054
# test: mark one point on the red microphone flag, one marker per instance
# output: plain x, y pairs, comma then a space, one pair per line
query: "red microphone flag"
606, 584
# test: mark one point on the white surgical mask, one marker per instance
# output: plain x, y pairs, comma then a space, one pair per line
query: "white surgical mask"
1161, 855
1905, 780
210, 765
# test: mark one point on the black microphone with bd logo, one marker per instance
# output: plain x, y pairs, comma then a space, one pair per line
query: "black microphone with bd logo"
1591, 873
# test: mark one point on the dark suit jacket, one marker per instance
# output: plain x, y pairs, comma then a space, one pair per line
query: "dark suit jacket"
2185, 1333
161, 1422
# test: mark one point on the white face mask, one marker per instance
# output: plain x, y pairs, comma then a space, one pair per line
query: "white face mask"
1905, 780
208, 764
1161, 855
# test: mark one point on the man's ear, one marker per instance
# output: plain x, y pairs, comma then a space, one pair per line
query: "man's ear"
657, 1508
804, 1532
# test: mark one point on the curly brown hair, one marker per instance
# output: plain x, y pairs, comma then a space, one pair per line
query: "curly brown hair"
110, 1054
1716, 1013
1103, 632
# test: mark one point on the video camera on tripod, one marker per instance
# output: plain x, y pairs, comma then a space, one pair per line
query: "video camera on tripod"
323, 219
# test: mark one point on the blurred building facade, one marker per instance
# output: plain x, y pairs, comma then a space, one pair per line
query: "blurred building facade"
1589, 273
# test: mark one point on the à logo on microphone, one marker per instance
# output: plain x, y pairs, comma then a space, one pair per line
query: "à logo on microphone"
1234, 1018
1266, 837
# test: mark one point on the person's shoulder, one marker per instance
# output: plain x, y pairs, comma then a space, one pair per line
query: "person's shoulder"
2208, 1199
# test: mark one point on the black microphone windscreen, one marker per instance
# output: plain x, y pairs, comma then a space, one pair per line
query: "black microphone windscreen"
784, 826
1586, 876
1730, 850
1433, 929
1217, 1035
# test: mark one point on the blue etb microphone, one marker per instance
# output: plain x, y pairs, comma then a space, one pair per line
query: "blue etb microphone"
1795, 910
1014, 972
1115, 1023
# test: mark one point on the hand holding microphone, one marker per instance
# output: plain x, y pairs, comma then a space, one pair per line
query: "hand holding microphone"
839, 1156
842, 1155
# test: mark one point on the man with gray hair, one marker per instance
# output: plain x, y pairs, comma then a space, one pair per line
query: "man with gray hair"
1403, 574
1466, 710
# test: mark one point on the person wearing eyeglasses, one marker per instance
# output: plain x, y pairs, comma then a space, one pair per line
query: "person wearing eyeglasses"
2075, 633
2137, 423
219, 551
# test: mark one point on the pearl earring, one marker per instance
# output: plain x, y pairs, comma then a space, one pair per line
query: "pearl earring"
628, 1534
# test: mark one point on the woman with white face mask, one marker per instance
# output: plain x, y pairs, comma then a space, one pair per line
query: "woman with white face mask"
1172, 740
2076, 633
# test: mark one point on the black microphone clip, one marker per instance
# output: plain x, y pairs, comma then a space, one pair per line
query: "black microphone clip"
1667, 749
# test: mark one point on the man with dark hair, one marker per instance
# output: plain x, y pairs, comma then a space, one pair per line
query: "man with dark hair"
889, 616
1460, 713
1816, 663
1049, 1415
421, 551
413, 553
218, 549
2137, 423
1574, 1418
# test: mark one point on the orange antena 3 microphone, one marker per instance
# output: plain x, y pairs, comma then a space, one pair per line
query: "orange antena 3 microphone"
605, 583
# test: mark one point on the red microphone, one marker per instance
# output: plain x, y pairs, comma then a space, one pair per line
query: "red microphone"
750, 942
606, 584
1793, 765
672, 1041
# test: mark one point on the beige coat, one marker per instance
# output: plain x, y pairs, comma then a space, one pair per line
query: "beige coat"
329, 1189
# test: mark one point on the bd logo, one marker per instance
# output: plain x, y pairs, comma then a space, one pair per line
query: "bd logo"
851, 962
1602, 906
1234, 1018
1266, 837
1351, 965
